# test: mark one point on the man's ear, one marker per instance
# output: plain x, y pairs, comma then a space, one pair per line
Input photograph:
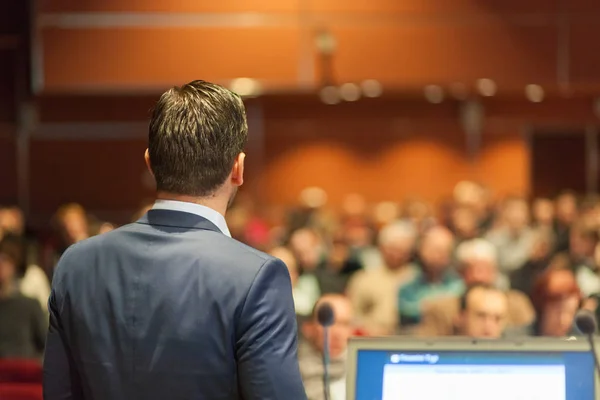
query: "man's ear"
147, 160
237, 173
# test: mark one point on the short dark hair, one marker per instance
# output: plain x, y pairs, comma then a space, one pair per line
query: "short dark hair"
464, 299
196, 132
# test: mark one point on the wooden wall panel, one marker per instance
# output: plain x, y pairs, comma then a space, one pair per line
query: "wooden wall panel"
504, 164
438, 54
8, 170
433, 6
136, 57
8, 110
101, 175
190, 6
585, 52
582, 6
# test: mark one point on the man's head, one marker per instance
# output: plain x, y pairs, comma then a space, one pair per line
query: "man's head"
396, 243
307, 246
566, 208
12, 220
583, 239
436, 249
285, 255
11, 259
543, 211
72, 223
465, 223
339, 332
477, 261
196, 139
483, 312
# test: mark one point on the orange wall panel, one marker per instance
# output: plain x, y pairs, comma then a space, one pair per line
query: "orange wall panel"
136, 57
585, 52
504, 164
426, 54
101, 175
432, 6
190, 6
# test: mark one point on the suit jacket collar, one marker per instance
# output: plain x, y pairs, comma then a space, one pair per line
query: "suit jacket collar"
177, 219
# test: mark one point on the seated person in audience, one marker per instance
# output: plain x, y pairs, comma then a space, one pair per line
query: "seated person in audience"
310, 349
308, 250
477, 264
31, 280
339, 265
374, 291
556, 299
566, 213
541, 255
434, 279
22, 322
513, 238
483, 312
583, 242
304, 297
543, 213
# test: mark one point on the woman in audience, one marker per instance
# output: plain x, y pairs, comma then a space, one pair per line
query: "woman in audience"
556, 299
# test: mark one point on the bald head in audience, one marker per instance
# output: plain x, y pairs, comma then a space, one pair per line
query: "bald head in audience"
435, 250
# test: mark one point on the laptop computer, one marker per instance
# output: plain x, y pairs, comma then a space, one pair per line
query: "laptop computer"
401, 368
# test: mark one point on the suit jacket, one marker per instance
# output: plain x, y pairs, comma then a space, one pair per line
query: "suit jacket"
170, 308
439, 315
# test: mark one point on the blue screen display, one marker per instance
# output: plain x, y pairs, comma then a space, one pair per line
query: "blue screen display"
387, 375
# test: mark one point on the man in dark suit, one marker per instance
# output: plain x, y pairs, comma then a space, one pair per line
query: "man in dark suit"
171, 307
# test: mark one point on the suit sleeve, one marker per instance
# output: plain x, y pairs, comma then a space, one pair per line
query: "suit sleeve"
267, 344
61, 380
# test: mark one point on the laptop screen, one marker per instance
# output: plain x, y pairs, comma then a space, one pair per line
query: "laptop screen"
474, 375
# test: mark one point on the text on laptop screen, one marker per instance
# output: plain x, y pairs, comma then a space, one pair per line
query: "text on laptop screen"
474, 376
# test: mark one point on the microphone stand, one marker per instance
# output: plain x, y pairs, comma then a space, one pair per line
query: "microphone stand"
326, 395
593, 347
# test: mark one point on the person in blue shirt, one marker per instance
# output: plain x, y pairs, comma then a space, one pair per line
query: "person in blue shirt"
435, 277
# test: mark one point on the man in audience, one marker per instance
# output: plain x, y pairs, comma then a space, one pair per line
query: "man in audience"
541, 254
305, 295
483, 312
513, 238
374, 291
583, 239
22, 322
543, 213
434, 279
310, 349
478, 266
566, 214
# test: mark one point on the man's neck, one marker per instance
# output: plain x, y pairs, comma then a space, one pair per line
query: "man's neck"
216, 202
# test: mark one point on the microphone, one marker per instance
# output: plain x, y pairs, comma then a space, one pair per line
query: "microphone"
586, 323
325, 318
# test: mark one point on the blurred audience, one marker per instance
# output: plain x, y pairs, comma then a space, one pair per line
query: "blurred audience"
477, 265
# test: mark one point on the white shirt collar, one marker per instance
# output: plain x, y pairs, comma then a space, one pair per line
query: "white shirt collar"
197, 209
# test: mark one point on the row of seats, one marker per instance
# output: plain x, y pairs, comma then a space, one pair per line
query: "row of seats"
20, 380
